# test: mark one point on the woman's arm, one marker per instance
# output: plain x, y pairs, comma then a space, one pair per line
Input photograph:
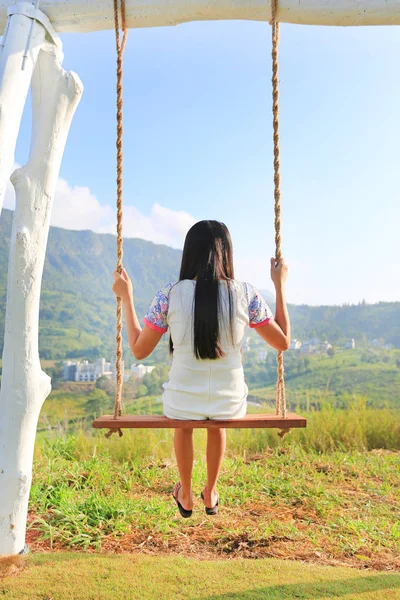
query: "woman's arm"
141, 341
277, 332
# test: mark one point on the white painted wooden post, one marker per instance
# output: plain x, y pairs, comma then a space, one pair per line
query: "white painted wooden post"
14, 85
55, 96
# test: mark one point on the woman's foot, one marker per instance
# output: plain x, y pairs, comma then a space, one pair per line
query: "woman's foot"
211, 500
184, 502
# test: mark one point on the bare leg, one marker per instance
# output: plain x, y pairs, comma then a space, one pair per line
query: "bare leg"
183, 441
216, 444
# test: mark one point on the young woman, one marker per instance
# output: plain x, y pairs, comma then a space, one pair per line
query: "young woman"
207, 313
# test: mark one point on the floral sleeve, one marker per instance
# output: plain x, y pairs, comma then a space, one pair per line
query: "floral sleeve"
156, 316
259, 311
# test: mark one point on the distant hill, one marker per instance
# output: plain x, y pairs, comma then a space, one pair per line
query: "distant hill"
77, 311
371, 373
268, 296
363, 322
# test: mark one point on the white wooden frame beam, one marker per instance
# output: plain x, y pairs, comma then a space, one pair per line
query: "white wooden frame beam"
94, 15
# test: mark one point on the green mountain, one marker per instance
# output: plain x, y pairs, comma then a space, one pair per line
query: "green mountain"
77, 312
363, 322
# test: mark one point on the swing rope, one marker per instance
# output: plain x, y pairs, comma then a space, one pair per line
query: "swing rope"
120, 46
280, 386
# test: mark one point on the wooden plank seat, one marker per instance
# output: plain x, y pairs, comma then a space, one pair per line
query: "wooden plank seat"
161, 422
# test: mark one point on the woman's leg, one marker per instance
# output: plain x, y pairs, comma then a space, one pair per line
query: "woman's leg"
216, 444
183, 441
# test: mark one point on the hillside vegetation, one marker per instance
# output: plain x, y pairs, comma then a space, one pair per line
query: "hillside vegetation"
77, 310
312, 380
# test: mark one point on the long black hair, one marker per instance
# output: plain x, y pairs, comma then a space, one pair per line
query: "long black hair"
208, 258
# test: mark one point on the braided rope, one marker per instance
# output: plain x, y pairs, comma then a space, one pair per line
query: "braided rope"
280, 386
120, 47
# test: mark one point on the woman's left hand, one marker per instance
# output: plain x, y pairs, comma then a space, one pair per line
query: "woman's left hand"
122, 286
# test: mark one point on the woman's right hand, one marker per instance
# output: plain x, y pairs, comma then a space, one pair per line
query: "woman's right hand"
122, 286
279, 272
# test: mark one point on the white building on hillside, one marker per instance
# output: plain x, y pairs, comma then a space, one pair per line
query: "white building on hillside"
86, 371
324, 347
314, 346
309, 347
262, 355
295, 345
139, 371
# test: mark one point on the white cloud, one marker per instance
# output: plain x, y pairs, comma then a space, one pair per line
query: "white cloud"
163, 225
77, 208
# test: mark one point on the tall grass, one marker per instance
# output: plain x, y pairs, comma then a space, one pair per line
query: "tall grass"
354, 428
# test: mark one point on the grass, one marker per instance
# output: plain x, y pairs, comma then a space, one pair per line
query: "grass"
289, 501
354, 428
329, 494
62, 407
87, 577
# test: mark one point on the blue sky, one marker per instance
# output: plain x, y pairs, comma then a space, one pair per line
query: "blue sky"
198, 141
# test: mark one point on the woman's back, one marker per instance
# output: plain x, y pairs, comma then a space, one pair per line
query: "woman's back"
206, 388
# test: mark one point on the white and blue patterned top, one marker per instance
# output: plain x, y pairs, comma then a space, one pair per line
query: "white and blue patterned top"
259, 311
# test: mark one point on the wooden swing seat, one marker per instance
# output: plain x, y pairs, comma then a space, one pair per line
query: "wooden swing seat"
291, 421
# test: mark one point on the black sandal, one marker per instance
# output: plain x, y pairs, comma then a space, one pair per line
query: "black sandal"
214, 509
184, 513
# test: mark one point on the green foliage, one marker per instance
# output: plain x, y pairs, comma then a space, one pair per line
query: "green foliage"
106, 384
77, 310
152, 383
98, 403
146, 405
61, 409
312, 379
363, 322
141, 391
56, 373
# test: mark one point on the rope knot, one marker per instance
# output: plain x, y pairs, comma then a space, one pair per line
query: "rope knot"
111, 431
